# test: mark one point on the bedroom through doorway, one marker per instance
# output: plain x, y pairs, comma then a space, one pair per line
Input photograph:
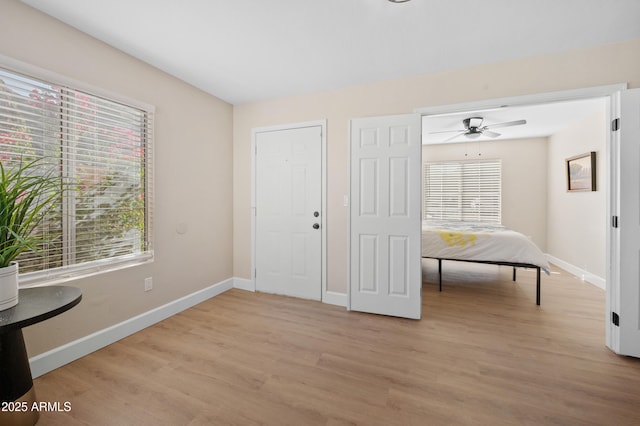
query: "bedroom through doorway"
526, 147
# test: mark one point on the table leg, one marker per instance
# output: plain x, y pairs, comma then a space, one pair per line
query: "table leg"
440, 273
537, 286
16, 384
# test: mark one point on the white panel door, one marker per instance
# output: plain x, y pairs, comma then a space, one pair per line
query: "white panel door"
623, 289
288, 189
385, 223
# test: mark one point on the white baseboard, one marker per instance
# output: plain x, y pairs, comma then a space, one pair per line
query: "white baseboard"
329, 297
578, 272
244, 284
334, 298
50, 360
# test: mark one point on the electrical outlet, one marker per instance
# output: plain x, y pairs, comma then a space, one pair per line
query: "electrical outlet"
148, 284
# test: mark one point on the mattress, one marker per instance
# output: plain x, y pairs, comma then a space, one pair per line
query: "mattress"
480, 243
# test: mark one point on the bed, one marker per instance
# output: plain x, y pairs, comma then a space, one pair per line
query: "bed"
482, 243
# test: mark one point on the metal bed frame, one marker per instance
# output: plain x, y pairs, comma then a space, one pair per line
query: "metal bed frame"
514, 265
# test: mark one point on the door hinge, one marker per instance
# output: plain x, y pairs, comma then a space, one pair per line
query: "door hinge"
614, 221
615, 318
615, 125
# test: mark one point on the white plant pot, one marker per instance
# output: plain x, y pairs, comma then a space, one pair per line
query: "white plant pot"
9, 286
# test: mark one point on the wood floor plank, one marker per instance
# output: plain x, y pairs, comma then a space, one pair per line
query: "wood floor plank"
483, 353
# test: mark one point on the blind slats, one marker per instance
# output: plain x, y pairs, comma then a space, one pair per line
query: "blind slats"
463, 191
102, 148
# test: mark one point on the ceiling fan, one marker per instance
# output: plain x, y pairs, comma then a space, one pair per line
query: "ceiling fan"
473, 128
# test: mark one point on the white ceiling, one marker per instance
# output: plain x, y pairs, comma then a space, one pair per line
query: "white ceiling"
247, 50
542, 120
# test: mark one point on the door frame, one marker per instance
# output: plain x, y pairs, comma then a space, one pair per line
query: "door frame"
323, 181
608, 91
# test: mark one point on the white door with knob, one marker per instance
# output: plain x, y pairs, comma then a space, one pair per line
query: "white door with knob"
288, 211
385, 216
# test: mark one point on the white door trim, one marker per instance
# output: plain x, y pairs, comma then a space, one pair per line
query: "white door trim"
323, 179
531, 99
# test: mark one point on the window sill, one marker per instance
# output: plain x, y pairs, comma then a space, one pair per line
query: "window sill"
76, 272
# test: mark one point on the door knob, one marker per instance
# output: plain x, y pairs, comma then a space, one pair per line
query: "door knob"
316, 226
316, 214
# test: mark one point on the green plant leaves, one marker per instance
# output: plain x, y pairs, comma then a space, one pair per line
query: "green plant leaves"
28, 192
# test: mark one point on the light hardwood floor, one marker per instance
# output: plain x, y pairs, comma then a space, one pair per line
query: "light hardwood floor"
483, 354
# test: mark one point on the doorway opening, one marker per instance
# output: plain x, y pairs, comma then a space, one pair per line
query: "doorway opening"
533, 198
612, 96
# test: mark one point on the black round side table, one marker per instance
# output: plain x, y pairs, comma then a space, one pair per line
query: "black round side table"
35, 304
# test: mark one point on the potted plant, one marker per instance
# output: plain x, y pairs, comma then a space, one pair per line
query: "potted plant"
28, 191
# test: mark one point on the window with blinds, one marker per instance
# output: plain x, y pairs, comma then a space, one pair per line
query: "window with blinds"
101, 151
462, 191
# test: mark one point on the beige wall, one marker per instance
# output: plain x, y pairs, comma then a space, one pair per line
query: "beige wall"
524, 179
193, 154
611, 64
577, 221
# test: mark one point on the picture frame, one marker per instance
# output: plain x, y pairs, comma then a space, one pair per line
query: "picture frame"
581, 172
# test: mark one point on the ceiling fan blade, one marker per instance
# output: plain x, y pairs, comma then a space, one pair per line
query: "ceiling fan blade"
447, 131
507, 124
453, 137
490, 133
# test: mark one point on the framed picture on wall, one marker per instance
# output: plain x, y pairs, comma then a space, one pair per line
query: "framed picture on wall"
581, 172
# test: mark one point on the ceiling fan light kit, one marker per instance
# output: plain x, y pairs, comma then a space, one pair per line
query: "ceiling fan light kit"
473, 126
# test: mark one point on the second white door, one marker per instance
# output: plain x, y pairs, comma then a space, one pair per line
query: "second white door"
623, 290
385, 231
288, 188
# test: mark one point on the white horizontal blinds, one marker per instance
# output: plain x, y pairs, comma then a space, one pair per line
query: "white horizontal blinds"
463, 191
443, 188
101, 149
481, 190
104, 158
30, 123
